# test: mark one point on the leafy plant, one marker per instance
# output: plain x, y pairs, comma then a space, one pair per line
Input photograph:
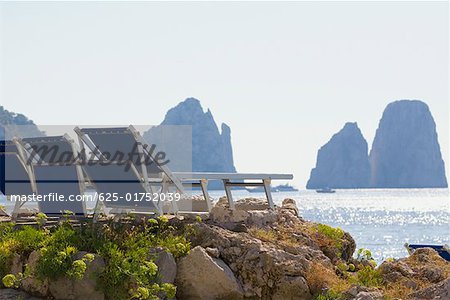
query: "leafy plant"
129, 271
368, 276
330, 295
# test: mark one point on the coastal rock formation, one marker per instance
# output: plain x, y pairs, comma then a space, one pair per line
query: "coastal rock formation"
342, 162
270, 252
424, 274
12, 124
405, 152
211, 149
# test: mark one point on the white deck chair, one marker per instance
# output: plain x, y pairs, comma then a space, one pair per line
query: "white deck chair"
56, 170
16, 176
108, 143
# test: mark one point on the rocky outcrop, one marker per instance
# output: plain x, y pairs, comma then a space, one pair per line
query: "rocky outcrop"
423, 275
269, 251
439, 290
13, 124
405, 152
211, 149
342, 162
201, 276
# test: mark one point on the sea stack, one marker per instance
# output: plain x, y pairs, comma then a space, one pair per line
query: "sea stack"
405, 152
342, 162
211, 148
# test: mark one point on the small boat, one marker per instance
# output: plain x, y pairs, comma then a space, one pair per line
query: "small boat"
261, 189
326, 190
442, 250
286, 188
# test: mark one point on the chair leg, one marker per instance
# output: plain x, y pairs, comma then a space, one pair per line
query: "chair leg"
204, 186
16, 210
228, 194
98, 208
268, 191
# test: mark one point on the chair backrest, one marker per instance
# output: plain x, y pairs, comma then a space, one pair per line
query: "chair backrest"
51, 150
120, 186
109, 143
57, 174
120, 144
15, 179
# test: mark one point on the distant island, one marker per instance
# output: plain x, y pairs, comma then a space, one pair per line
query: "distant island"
12, 124
405, 153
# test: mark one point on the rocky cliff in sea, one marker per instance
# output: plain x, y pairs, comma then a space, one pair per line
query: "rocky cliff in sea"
211, 148
342, 162
16, 124
405, 152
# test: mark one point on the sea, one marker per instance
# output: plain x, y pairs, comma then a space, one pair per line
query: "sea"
381, 220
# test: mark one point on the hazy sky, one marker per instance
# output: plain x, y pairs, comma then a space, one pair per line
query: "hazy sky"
283, 76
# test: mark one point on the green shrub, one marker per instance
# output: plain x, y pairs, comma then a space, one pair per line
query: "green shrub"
330, 295
21, 242
330, 232
28, 239
129, 270
368, 276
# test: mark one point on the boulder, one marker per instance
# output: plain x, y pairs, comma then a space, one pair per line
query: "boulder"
213, 252
16, 264
252, 212
31, 284
289, 203
199, 276
373, 295
167, 267
85, 288
394, 271
290, 288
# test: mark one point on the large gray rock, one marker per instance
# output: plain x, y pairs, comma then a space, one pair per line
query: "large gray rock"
79, 289
211, 149
167, 266
200, 276
342, 162
405, 152
31, 284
